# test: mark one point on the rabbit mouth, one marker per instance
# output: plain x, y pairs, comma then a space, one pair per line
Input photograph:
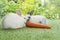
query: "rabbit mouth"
29, 18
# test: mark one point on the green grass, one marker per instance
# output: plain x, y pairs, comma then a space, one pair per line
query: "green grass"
33, 33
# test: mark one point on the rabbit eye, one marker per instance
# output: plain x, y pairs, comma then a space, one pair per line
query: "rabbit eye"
40, 22
29, 17
24, 18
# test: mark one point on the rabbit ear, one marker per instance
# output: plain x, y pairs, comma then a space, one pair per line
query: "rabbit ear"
18, 12
30, 13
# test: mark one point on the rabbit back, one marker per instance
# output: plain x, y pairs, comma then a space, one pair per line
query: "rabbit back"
13, 21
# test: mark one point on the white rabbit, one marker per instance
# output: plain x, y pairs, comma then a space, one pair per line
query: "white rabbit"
13, 21
36, 18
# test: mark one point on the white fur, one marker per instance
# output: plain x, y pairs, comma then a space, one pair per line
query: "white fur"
13, 21
38, 19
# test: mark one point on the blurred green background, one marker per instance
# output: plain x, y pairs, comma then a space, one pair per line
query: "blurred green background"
49, 8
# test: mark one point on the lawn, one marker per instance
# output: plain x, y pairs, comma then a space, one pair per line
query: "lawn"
32, 33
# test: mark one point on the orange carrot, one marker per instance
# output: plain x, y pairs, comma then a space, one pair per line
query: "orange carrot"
36, 25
